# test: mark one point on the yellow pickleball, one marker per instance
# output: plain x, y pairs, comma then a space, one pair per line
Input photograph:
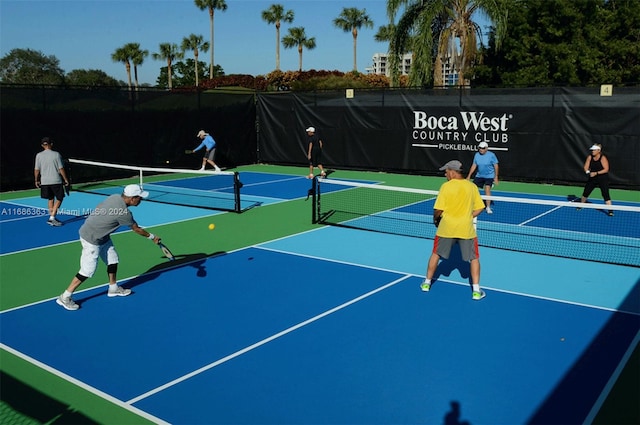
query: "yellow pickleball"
212, 226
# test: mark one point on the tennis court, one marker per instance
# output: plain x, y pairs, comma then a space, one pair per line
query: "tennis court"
271, 319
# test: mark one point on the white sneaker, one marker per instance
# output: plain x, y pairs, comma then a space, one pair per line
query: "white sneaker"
478, 295
201, 169
217, 169
67, 303
489, 210
118, 292
426, 285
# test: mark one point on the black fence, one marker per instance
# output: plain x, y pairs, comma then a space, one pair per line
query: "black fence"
145, 128
538, 134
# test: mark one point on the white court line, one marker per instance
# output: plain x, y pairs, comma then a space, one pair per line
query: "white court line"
264, 341
84, 386
117, 232
442, 279
280, 180
20, 206
539, 216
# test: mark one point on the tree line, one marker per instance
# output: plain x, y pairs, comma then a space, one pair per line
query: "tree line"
530, 43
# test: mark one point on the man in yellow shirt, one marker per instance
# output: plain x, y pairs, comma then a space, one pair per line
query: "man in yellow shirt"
457, 204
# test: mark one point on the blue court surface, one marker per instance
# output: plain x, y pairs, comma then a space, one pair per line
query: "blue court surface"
24, 217
330, 327
29, 215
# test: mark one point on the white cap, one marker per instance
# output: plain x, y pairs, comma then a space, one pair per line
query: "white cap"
595, 148
311, 129
483, 145
132, 190
201, 133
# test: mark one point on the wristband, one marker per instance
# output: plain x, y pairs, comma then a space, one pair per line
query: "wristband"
587, 172
151, 236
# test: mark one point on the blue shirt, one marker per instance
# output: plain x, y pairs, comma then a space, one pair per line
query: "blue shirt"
207, 142
486, 164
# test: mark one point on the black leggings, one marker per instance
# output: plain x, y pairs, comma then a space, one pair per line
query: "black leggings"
601, 181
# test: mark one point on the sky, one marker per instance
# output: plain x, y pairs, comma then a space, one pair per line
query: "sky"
83, 34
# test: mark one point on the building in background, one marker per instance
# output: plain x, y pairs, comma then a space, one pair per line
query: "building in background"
380, 66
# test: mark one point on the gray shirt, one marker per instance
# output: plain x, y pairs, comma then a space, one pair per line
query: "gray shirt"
107, 217
49, 162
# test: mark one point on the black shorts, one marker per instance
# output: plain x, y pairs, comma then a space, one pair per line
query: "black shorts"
316, 157
50, 191
481, 182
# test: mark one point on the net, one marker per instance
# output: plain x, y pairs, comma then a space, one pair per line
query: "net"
525, 223
194, 188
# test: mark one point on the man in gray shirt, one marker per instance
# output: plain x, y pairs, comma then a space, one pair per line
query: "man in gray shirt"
49, 174
95, 237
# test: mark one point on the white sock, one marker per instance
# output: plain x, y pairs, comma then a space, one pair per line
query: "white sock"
66, 294
52, 217
476, 287
113, 286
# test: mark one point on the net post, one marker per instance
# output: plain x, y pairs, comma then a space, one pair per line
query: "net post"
315, 200
236, 192
140, 171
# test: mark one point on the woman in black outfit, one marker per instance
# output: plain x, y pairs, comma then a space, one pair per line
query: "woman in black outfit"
596, 166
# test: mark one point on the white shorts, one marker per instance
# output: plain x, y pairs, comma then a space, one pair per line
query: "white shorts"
91, 253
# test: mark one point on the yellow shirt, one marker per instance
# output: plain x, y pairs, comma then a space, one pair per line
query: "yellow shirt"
458, 198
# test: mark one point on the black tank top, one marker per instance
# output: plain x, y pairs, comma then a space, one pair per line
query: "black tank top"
596, 165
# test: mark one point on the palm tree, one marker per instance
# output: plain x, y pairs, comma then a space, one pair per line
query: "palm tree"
123, 54
211, 5
435, 25
297, 38
275, 15
352, 19
195, 43
137, 58
385, 33
168, 52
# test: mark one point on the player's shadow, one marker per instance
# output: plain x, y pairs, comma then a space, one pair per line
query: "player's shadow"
74, 219
196, 261
452, 417
454, 262
25, 404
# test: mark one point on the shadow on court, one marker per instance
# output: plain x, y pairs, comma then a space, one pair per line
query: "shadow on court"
632, 302
454, 262
590, 375
195, 261
453, 416
20, 400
